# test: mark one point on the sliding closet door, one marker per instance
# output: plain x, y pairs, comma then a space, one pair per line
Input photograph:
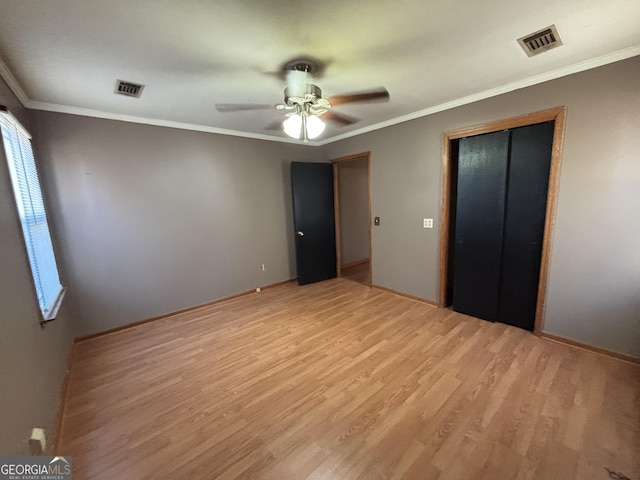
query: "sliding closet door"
482, 174
528, 182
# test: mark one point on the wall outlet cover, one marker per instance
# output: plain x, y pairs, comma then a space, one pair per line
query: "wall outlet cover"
37, 442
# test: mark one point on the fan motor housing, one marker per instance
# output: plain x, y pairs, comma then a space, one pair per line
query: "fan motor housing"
311, 101
310, 95
308, 65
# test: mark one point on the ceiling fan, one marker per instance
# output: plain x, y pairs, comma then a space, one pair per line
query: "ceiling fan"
306, 108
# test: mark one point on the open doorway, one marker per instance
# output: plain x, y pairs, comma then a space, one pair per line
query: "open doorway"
352, 192
448, 237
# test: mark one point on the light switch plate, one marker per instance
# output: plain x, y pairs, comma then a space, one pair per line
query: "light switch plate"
427, 223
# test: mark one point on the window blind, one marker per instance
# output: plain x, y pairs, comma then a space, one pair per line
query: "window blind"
33, 217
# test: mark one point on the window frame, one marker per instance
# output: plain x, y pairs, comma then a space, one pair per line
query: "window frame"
17, 149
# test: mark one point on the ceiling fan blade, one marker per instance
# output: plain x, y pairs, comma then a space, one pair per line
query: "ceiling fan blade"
275, 125
339, 118
377, 95
239, 107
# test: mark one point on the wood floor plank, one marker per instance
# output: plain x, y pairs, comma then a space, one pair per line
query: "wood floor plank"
336, 380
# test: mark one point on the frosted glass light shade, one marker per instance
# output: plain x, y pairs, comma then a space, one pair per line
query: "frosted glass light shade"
293, 126
315, 127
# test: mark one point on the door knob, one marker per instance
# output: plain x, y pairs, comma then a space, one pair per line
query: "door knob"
300, 234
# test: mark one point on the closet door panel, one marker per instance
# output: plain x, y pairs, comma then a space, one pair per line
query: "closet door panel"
482, 169
527, 185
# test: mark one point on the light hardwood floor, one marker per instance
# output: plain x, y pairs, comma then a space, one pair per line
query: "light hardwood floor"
340, 381
358, 273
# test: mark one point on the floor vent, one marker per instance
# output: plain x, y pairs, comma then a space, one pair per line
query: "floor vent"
540, 41
129, 89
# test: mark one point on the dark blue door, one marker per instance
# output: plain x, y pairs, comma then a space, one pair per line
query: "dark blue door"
482, 179
314, 221
502, 185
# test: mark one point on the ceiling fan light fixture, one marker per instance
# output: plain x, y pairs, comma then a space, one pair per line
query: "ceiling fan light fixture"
315, 127
293, 126
303, 125
307, 110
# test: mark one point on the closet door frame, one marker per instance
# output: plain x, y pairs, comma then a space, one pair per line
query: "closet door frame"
557, 115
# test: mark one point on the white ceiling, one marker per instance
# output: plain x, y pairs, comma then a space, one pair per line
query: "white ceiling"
65, 55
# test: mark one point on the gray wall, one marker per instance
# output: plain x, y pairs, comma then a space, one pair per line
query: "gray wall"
353, 181
147, 220
32, 360
153, 219
594, 285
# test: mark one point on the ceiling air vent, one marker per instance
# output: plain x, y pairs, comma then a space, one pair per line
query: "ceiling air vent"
128, 89
540, 41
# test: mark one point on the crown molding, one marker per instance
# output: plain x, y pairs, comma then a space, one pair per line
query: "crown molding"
88, 112
494, 92
14, 85
619, 55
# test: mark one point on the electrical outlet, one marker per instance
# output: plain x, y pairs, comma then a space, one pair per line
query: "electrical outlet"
427, 223
262, 267
37, 442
